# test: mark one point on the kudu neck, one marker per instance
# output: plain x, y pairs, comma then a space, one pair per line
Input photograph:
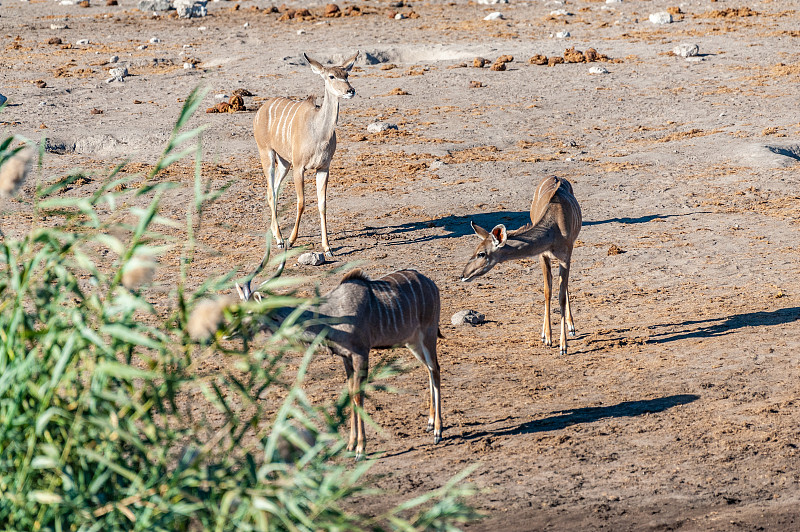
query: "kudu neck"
327, 114
526, 242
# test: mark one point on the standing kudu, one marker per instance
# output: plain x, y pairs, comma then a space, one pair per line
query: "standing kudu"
302, 136
401, 308
555, 224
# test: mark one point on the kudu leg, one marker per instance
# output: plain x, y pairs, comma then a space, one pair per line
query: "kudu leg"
563, 301
348, 368
301, 202
547, 337
268, 164
322, 192
425, 352
360, 374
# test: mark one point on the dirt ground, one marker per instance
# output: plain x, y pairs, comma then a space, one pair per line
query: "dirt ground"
677, 406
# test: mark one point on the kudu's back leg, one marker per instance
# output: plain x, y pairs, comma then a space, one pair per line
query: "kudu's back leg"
563, 301
299, 184
547, 338
425, 351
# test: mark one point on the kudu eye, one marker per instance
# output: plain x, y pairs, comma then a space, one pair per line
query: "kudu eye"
481, 255
330, 76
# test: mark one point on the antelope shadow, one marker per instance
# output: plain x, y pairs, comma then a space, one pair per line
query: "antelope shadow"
640, 219
565, 418
713, 327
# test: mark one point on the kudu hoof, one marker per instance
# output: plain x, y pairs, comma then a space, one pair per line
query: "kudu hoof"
328, 254
437, 437
429, 428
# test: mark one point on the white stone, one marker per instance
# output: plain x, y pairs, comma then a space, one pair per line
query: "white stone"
82, 41
188, 66
154, 5
467, 317
113, 59
613, 1
494, 16
562, 35
301, 32
246, 25
377, 127
662, 17
399, 16
598, 70
155, 40
58, 26
142, 47
559, 13
190, 8
311, 258
686, 50
221, 96
696, 59
492, 2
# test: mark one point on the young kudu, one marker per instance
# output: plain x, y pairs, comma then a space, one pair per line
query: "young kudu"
401, 308
302, 136
555, 224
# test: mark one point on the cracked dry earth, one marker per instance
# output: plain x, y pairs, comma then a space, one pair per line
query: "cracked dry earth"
677, 406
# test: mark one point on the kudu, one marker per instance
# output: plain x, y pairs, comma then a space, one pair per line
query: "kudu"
360, 314
555, 224
302, 136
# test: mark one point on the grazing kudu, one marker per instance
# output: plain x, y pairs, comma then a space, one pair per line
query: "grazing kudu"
401, 308
555, 224
302, 136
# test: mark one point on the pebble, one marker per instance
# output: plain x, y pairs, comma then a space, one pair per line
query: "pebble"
311, 258
155, 40
191, 8
113, 59
598, 70
117, 74
82, 41
399, 16
154, 5
695, 59
562, 35
142, 47
246, 25
222, 96
662, 17
301, 32
3, 99
686, 50
559, 13
58, 26
613, 1
188, 66
492, 2
467, 317
494, 16
377, 127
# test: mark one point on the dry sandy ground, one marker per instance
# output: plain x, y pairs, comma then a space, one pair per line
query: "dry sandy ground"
677, 406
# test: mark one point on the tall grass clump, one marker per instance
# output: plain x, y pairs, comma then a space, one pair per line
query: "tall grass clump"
107, 421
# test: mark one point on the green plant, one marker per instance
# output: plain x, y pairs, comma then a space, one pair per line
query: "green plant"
97, 384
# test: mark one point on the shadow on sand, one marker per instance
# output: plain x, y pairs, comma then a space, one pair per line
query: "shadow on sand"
721, 326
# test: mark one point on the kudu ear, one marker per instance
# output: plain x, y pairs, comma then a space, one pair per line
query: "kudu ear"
257, 296
499, 235
347, 65
479, 231
316, 66
239, 291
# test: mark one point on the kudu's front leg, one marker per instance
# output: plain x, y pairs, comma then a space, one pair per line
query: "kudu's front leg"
547, 338
322, 192
563, 301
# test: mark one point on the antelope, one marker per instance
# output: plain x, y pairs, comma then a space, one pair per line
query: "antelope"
302, 136
555, 224
360, 314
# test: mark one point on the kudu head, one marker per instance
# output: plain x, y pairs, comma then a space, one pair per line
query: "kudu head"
485, 255
335, 77
244, 290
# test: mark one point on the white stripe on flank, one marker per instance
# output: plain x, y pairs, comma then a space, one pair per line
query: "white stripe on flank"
270, 117
291, 121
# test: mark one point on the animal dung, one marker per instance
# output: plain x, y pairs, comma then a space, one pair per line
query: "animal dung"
615, 250
475, 84
538, 59
479, 62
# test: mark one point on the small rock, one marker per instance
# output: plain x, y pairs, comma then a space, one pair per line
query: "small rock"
188, 66
613, 1
686, 50
494, 16
695, 59
221, 97
117, 74
378, 127
54, 40
82, 41
301, 32
467, 317
113, 59
560, 13
399, 16
58, 26
562, 35
598, 70
492, 2
191, 8
3, 99
155, 40
246, 25
311, 258
662, 17
142, 47
41, 84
